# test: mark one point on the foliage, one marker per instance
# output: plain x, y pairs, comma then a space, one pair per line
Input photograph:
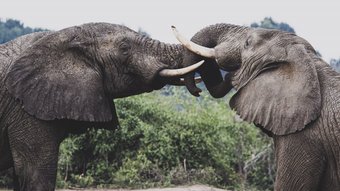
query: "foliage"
14, 28
165, 140
335, 64
268, 23
142, 32
6, 180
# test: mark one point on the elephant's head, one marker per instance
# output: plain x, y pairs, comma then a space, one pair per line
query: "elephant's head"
76, 72
274, 73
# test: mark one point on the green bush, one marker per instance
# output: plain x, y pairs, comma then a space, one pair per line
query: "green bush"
139, 172
6, 180
164, 140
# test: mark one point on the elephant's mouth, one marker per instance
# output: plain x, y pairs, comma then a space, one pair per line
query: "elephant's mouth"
159, 82
270, 65
230, 67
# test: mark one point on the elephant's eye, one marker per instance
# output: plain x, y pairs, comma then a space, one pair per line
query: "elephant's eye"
248, 42
124, 48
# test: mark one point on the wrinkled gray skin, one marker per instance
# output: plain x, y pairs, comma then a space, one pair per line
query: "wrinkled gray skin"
287, 90
54, 83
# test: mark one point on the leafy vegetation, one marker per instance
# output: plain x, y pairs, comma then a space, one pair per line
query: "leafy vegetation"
335, 64
168, 140
269, 23
11, 29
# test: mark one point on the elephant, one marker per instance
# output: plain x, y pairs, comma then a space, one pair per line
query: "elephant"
54, 83
283, 87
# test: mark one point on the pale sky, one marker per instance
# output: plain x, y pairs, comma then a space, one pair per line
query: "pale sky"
318, 21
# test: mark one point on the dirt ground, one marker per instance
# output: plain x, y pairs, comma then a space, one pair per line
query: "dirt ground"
184, 188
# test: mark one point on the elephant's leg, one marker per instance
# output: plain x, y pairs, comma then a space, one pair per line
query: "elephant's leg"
6, 161
5, 153
16, 184
35, 145
300, 163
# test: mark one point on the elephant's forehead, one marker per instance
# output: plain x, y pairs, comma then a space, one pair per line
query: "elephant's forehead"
265, 33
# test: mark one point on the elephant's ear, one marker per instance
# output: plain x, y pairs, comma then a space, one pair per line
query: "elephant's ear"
282, 100
54, 79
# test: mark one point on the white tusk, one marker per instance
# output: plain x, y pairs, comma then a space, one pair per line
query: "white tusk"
180, 72
198, 49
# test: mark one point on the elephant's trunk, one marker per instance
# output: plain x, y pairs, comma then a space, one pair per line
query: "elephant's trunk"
169, 61
170, 55
211, 37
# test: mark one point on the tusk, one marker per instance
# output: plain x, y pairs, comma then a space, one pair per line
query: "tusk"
198, 49
180, 72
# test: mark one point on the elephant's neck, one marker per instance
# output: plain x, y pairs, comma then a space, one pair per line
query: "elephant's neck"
328, 77
329, 81
328, 124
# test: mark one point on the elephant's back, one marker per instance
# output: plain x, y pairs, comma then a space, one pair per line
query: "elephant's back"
11, 50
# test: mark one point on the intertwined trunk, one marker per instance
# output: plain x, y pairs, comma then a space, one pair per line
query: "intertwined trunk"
212, 37
168, 54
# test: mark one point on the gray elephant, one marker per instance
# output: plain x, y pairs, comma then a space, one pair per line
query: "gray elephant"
283, 87
55, 83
